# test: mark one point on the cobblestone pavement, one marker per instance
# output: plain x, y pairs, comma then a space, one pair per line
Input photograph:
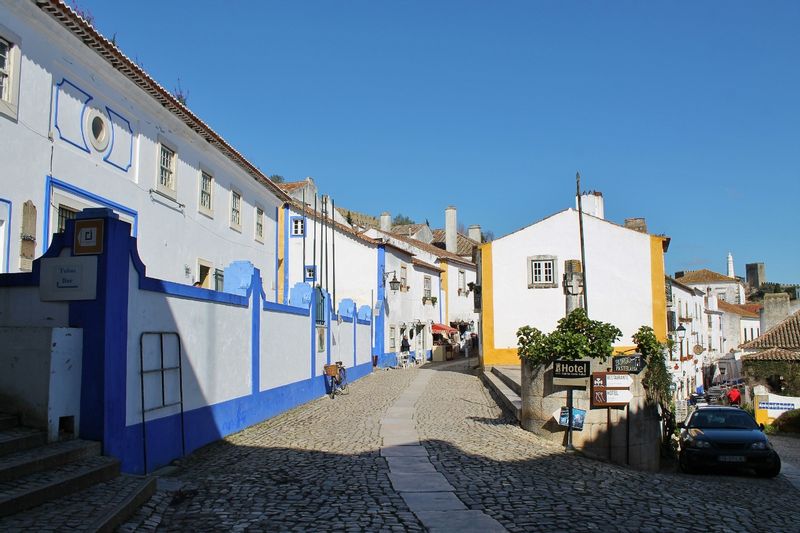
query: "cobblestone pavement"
318, 468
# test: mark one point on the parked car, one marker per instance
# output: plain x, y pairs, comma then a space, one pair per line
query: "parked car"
726, 437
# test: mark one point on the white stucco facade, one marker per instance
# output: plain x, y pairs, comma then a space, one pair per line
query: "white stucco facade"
53, 159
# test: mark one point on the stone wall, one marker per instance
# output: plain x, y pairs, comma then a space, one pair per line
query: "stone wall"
613, 434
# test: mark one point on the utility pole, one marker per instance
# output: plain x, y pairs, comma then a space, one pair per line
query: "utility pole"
583, 247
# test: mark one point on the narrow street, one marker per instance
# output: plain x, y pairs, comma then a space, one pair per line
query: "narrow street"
321, 467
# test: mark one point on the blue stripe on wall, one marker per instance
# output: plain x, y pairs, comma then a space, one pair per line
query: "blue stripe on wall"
285, 254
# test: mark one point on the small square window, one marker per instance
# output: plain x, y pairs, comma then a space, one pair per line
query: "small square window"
206, 193
298, 227
259, 224
236, 210
542, 272
392, 338
403, 277
462, 282
166, 171
65, 213
426, 287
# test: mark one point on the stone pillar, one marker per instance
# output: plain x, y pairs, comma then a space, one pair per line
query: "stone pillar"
573, 284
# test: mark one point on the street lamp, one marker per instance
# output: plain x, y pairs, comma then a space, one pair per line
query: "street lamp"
681, 332
394, 283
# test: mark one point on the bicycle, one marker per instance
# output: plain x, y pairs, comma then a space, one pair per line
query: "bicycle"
337, 378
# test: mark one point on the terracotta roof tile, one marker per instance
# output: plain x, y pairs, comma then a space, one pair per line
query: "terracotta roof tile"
464, 244
292, 185
421, 263
773, 354
785, 334
344, 228
704, 276
438, 252
406, 229
738, 309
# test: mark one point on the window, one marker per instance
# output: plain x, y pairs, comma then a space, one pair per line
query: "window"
427, 287
542, 272
204, 269
9, 73
236, 210
259, 224
219, 280
166, 171
462, 283
206, 193
321, 338
392, 340
298, 227
98, 130
65, 213
403, 277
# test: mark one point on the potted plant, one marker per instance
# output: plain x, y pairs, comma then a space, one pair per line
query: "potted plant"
433, 300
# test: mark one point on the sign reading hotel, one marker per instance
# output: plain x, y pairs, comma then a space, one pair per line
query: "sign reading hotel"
571, 373
88, 239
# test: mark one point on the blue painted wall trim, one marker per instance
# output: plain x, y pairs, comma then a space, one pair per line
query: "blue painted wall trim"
277, 217
111, 114
288, 309
211, 423
255, 330
51, 183
286, 254
88, 99
379, 322
8, 233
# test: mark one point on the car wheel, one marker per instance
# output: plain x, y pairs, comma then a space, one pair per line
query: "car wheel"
770, 471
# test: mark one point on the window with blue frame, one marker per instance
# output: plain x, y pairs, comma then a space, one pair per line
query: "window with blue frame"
298, 226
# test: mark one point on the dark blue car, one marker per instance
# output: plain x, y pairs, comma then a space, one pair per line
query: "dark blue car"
726, 437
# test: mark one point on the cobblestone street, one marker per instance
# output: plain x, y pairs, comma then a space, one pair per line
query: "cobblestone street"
319, 467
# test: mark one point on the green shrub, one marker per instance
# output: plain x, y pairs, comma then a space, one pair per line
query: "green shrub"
788, 422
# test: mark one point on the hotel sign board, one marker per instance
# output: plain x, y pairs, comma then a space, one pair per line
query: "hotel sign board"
571, 373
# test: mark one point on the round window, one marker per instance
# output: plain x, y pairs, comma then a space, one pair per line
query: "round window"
98, 129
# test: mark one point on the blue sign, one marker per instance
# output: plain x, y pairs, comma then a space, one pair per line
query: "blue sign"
578, 416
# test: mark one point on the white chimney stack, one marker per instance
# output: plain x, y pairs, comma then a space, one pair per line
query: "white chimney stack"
450, 229
386, 221
730, 266
474, 232
592, 204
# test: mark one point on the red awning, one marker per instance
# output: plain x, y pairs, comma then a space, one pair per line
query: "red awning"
441, 328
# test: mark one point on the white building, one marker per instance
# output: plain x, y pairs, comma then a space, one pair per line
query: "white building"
521, 279
725, 288
84, 126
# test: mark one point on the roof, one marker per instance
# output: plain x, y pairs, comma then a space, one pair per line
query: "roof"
773, 354
464, 245
438, 252
705, 276
360, 219
421, 263
86, 33
292, 185
737, 309
687, 288
785, 334
406, 229
344, 228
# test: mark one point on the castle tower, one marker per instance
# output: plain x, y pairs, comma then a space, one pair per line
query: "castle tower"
730, 266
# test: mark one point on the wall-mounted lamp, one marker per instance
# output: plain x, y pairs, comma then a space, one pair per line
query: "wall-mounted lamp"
394, 283
681, 332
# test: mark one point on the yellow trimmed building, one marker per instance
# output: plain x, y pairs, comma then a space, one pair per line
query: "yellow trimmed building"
521, 278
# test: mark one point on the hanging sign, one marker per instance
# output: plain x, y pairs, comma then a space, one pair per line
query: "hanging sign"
571, 373
632, 364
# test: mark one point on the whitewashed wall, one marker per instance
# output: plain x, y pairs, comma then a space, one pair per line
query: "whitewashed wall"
171, 238
618, 275
216, 367
364, 346
285, 349
460, 307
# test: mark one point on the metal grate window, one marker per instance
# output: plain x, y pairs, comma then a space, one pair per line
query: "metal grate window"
236, 208
206, 186
5, 47
219, 280
166, 176
64, 214
427, 286
259, 223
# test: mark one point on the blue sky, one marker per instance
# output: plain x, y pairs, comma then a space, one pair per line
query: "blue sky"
685, 113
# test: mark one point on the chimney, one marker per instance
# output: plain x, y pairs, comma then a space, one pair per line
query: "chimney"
474, 232
776, 309
592, 204
636, 224
450, 229
731, 273
386, 221
679, 274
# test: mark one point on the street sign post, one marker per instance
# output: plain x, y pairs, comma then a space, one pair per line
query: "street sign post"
611, 389
571, 374
632, 364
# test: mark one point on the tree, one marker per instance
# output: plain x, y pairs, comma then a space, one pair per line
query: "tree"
180, 94
575, 337
657, 379
401, 219
487, 236
277, 178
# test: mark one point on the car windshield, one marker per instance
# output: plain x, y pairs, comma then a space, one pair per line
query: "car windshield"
718, 419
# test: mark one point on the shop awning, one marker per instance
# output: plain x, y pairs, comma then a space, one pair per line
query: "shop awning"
441, 328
